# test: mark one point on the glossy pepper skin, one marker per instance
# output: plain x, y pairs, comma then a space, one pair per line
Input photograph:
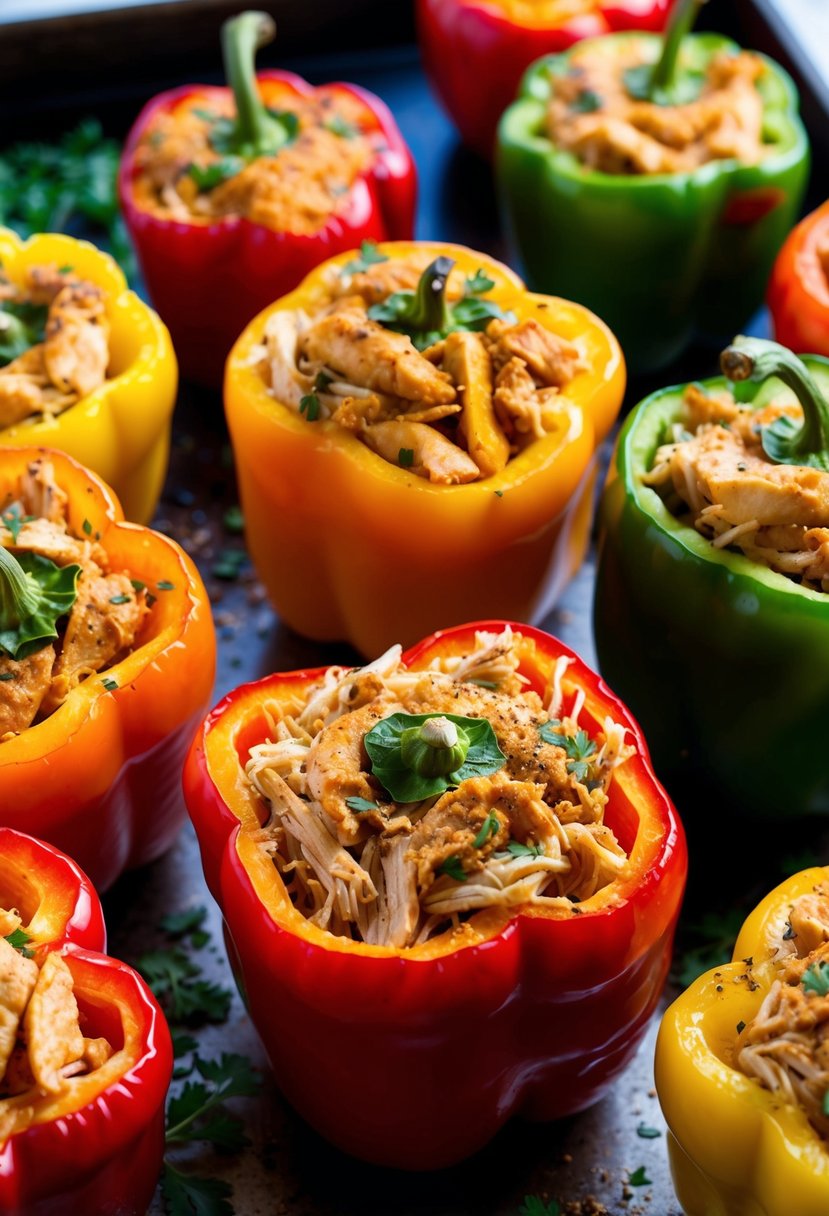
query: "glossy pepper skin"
100, 777
690, 252
209, 280
102, 1156
328, 521
798, 295
536, 1015
475, 52
723, 661
752, 1153
122, 429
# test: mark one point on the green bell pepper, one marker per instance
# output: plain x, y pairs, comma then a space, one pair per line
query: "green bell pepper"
724, 662
661, 258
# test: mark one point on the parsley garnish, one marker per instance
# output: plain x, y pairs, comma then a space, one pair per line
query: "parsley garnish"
165, 585
535, 1206
498, 493
109, 684
639, 1177
176, 981
488, 828
648, 1133
524, 850
14, 520
322, 382
479, 284
87, 527
405, 458
579, 747
741, 1026
816, 979
208, 177
20, 939
120, 599
586, 102
370, 255
826, 1103
6, 675
453, 868
309, 405
229, 564
137, 585
337, 125
360, 805
22, 325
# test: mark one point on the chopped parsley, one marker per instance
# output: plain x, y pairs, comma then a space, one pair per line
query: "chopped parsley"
87, 527
586, 102
647, 1133
370, 255
524, 850
109, 684
208, 177
741, 1026
137, 585
488, 828
338, 125
120, 599
309, 405
322, 382
6, 675
405, 458
453, 868
478, 284
639, 1177
19, 939
579, 747
360, 805
816, 979
14, 520
165, 585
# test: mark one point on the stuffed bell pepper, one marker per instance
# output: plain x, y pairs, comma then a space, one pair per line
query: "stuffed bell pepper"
746, 1046
712, 596
232, 195
654, 179
106, 665
798, 295
415, 438
476, 51
85, 1053
451, 863
85, 366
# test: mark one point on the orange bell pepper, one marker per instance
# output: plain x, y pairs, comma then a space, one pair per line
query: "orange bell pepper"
121, 430
100, 777
352, 547
798, 295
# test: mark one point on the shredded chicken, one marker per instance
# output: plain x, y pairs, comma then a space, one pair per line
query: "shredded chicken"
452, 413
70, 360
102, 625
592, 115
361, 865
786, 1044
715, 474
331, 143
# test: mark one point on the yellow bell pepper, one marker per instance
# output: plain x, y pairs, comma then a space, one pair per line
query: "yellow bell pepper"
736, 1149
352, 547
122, 429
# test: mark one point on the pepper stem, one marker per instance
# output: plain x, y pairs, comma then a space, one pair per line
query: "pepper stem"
19, 596
681, 21
429, 310
256, 133
784, 442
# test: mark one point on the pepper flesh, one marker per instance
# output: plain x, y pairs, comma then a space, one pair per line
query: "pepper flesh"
691, 252
752, 1152
349, 545
122, 429
467, 42
798, 295
536, 1013
747, 646
105, 1153
209, 280
100, 776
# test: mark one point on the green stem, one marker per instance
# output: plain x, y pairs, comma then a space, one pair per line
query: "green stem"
257, 133
429, 311
683, 15
784, 442
435, 748
19, 597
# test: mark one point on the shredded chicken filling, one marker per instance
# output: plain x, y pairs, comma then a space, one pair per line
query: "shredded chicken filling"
592, 115
364, 867
453, 413
715, 475
102, 625
42, 1043
182, 175
786, 1045
65, 318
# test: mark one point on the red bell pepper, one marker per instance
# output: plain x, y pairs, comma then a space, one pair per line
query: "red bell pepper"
536, 1015
476, 51
798, 294
100, 777
96, 1148
207, 280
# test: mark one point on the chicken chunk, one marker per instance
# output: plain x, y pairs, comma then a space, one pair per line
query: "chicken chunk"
24, 684
18, 976
76, 349
53, 1033
432, 455
553, 360
466, 360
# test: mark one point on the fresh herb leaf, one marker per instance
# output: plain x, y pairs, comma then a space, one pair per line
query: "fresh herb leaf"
524, 850
479, 284
19, 939
22, 325
190, 1195
370, 255
165, 585
579, 747
405, 458
337, 125
14, 519
483, 683
208, 177
360, 805
648, 1133
322, 381
229, 564
586, 102
488, 828
816, 979
499, 493
453, 868
37, 592
741, 1026
176, 981
120, 599
109, 684
533, 1205
6, 675
826, 1103
309, 405
137, 585
179, 924
234, 520
183, 1044
384, 746
87, 527
639, 1177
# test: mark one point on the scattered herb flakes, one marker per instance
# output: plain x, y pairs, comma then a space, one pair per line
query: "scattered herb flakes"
109, 684
87, 527
165, 585
826, 1103
488, 828
337, 125
234, 520
176, 980
6, 675
453, 868
648, 1133
405, 458
65, 269
484, 683
517, 849
360, 805
579, 747
183, 1043
322, 380
208, 177
816, 979
499, 493
309, 405
370, 255
741, 1026
120, 599
13, 519
229, 564
20, 939
639, 1177
478, 284
586, 102
137, 585
178, 924
534, 1205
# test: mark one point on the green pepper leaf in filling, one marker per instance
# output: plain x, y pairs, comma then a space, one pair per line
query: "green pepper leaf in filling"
425, 314
34, 594
22, 326
417, 756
